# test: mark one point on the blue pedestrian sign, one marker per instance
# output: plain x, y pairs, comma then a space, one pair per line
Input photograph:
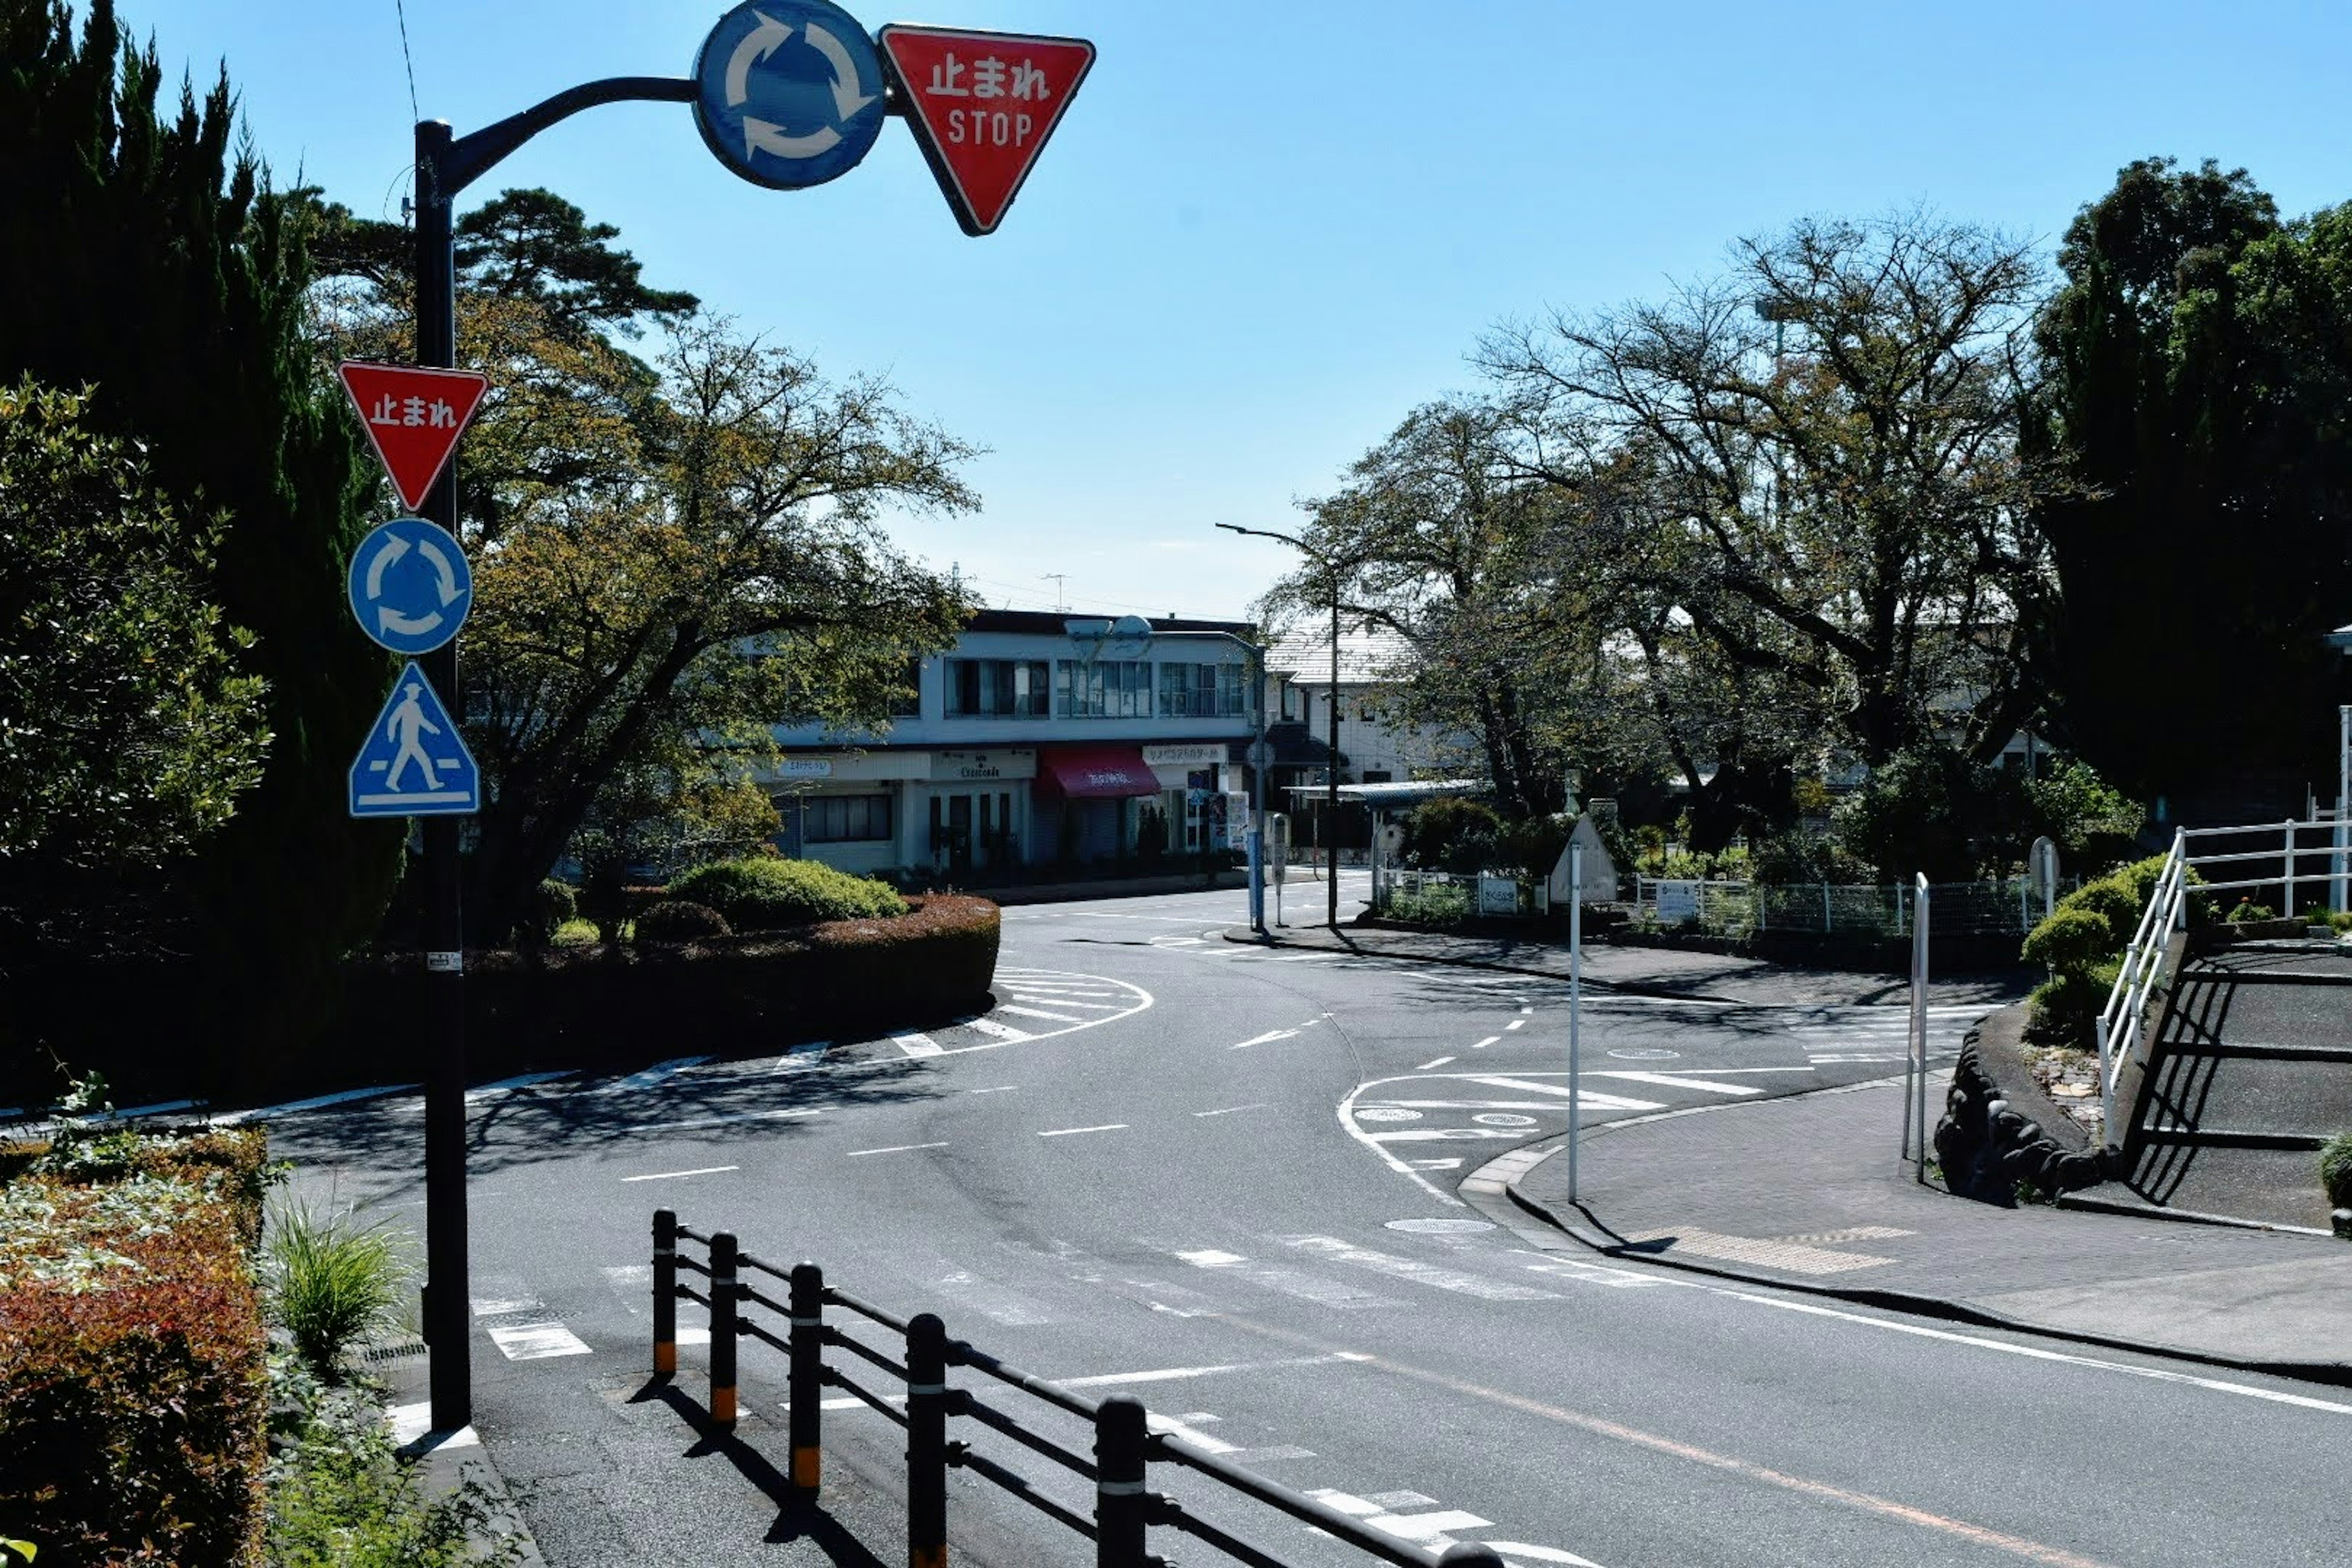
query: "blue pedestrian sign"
410, 586
414, 763
788, 93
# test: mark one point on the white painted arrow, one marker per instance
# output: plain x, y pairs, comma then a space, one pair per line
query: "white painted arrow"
758, 44
846, 101
395, 547
759, 136
442, 570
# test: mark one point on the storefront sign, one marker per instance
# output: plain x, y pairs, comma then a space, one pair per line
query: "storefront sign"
981, 767
804, 768
1200, 755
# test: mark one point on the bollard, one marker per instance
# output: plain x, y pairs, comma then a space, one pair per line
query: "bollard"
805, 1381
1466, 1554
927, 1442
723, 1327
664, 1292
1119, 1435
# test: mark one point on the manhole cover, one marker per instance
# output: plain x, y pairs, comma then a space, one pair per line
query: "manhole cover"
1646, 1055
1386, 1114
1440, 1227
1503, 1119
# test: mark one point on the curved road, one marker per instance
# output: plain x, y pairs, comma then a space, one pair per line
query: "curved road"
1224, 1179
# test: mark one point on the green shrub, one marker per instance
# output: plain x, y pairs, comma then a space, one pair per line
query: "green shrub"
1437, 903
2115, 902
554, 903
2064, 1006
131, 1396
2335, 1171
331, 1283
2069, 941
2246, 910
1530, 848
1452, 835
764, 894
680, 920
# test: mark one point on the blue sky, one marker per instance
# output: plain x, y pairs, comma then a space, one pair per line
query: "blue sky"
1265, 231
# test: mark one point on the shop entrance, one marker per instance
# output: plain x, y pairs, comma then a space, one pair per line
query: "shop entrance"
973, 831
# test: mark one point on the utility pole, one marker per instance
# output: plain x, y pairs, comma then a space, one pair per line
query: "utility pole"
1331, 570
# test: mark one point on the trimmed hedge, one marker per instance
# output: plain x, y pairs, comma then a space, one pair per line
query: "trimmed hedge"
680, 920
767, 893
589, 1007
133, 1393
2082, 943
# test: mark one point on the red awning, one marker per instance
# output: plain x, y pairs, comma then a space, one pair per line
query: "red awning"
1096, 772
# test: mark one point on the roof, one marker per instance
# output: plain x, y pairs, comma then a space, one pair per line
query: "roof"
1403, 793
1056, 623
1368, 656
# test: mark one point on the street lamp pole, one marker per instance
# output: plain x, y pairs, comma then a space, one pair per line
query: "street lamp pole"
1331, 767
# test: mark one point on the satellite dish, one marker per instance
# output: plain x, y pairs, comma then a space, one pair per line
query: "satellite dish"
1130, 637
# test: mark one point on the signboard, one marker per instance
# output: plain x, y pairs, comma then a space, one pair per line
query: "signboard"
1497, 896
1203, 755
804, 768
412, 417
982, 106
956, 767
409, 586
788, 93
412, 763
1677, 902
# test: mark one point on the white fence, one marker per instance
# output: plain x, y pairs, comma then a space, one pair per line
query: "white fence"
2009, 908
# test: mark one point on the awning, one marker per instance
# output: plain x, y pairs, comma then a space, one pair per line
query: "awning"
1096, 772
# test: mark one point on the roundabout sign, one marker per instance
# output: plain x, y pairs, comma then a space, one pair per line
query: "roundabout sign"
788, 93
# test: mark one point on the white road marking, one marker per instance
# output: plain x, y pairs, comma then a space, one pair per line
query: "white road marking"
1516, 1024
537, 1342
1178, 1374
410, 1422
727, 1120
1261, 1040
1067, 1131
1417, 1271
1679, 1082
1000, 1088
800, 1058
1489, 1040
1039, 1013
1441, 1135
1590, 1098
658, 1071
916, 1045
1454, 1164
672, 1175
1540, 1554
892, 1149
1001, 1031
1168, 1427
316, 1102
1211, 1257
1527, 1009
1075, 1000
1438, 1063
507, 1086
1229, 1109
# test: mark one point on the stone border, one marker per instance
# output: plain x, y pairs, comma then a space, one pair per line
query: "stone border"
1988, 1141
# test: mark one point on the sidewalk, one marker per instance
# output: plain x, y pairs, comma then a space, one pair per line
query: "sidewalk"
1645, 971
1807, 1192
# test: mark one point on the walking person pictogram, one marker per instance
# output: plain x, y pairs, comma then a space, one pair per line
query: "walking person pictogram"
405, 725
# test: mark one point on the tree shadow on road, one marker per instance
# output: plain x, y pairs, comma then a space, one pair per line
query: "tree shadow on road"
797, 1519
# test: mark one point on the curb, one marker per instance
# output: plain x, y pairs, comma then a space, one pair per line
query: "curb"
1244, 937
2180, 1216
1480, 1184
456, 1459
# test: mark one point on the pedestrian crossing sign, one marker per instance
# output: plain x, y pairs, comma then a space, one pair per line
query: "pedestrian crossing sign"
413, 762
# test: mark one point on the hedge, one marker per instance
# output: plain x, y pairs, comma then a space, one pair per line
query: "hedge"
133, 1396
589, 1007
766, 893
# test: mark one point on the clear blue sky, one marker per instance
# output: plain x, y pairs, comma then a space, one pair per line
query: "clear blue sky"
1265, 231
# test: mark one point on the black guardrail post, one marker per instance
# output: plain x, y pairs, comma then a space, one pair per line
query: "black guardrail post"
806, 1380
1469, 1554
723, 1327
1119, 1436
664, 1292
927, 1441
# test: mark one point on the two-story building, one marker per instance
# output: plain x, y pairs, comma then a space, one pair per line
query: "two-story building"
1042, 739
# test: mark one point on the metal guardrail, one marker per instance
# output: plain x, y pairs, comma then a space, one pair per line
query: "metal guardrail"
1124, 1507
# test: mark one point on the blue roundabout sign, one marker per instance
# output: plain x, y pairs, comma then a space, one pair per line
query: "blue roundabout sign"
410, 586
788, 93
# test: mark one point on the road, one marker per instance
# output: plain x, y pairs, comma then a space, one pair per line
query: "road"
1224, 1178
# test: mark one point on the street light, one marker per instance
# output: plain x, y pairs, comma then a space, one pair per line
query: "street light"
1331, 794
1257, 765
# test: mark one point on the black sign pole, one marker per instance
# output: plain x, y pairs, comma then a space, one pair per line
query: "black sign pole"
444, 166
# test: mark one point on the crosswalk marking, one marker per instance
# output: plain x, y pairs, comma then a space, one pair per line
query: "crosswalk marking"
658, 1071
1416, 1271
1670, 1081
916, 1045
1039, 1013
1001, 1031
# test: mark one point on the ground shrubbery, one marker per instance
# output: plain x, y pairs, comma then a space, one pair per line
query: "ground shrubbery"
2335, 1171
768, 893
2082, 943
680, 920
133, 1393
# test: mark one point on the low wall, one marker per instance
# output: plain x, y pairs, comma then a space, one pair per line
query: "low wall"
1998, 1129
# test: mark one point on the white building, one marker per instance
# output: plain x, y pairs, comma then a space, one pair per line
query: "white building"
1041, 740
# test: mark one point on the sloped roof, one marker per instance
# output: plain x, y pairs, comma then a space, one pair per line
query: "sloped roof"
1367, 655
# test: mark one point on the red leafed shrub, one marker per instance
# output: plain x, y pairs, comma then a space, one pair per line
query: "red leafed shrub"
132, 1399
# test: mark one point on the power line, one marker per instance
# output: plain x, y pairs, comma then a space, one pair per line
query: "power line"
400, 8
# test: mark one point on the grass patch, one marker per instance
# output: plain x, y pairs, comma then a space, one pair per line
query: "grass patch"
332, 1283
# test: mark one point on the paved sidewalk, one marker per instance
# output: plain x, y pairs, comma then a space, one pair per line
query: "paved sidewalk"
1651, 971
1808, 1191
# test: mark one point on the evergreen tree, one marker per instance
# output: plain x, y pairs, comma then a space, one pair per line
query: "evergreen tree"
144, 255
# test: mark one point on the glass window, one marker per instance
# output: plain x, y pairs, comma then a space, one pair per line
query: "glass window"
1203, 690
996, 689
846, 818
1107, 688
907, 702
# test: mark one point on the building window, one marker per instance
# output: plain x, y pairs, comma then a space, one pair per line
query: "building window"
1202, 691
1106, 689
844, 818
907, 701
996, 689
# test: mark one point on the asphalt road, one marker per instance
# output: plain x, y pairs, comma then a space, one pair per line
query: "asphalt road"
1224, 1178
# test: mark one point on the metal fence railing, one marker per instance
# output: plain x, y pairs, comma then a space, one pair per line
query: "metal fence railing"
1123, 1508
2007, 907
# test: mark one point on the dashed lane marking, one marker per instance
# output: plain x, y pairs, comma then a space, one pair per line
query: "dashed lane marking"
892, 1149
1489, 1040
1438, 1063
672, 1175
1261, 1040
1414, 1271
1067, 1131
1228, 1110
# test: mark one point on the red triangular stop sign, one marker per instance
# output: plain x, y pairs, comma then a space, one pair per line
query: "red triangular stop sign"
413, 416
982, 106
